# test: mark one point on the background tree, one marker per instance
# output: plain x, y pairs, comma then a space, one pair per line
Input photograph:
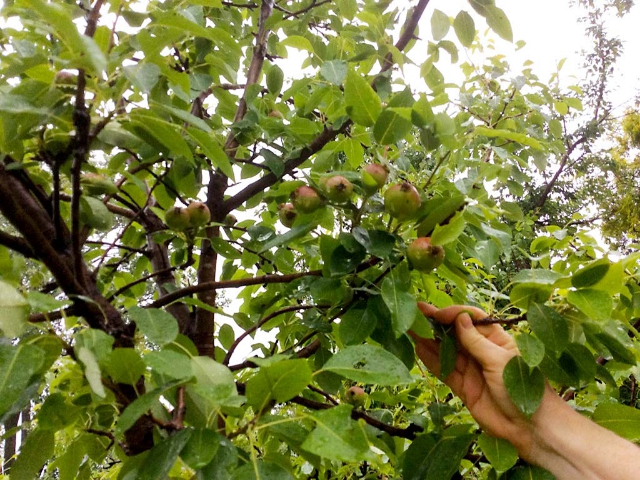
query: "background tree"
157, 155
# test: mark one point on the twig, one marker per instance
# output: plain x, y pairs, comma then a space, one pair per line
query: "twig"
255, 327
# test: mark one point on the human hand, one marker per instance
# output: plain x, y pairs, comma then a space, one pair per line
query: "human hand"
483, 352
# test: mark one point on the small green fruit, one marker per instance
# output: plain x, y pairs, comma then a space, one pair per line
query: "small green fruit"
65, 77
287, 214
230, 220
374, 176
402, 201
337, 188
199, 214
356, 396
306, 200
423, 256
95, 184
177, 218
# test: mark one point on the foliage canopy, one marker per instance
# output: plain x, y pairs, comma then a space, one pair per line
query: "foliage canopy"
124, 337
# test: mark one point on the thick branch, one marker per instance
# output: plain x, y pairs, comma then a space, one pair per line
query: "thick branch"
16, 244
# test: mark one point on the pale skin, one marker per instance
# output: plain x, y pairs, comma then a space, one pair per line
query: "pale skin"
556, 438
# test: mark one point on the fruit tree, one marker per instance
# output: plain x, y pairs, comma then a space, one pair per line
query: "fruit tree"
217, 218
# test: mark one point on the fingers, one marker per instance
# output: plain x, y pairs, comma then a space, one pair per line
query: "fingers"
448, 315
485, 351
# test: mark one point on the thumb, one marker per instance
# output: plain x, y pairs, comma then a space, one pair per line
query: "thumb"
487, 353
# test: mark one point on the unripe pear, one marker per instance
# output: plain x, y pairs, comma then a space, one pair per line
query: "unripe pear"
306, 200
230, 220
356, 396
402, 201
424, 256
374, 176
65, 77
287, 214
337, 188
95, 184
276, 114
177, 218
199, 214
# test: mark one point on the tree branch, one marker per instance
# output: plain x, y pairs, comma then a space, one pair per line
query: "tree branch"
17, 244
242, 282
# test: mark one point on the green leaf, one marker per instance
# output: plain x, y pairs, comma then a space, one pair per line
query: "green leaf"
163, 455
34, 453
357, 324
391, 126
143, 76
336, 436
212, 150
275, 77
448, 355
164, 133
596, 304
334, 71
620, 419
17, 366
440, 25
14, 311
508, 135
549, 326
280, 382
91, 371
140, 406
498, 22
578, 362
465, 28
369, 364
169, 364
531, 349
201, 448
363, 104
538, 275
524, 294
56, 414
501, 453
529, 472
525, 385
95, 214
97, 341
617, 349
261, 470
401, 304
16, 104
591, 274
433, 457
443, 234
124, 365
158, 326
183, 115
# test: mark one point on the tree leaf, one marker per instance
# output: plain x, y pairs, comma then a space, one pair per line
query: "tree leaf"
440, 25
14, 311
521, 138
620, 419
124, 365
163, 455
391, 126
337, 436
280, 382
401, 304
363, 104
525, 385
212, 150
443, 234
590, 274
334, 71
17, 365
91, 371
498, 22
531, 349
433, 457
501, 453
158, 326
465, 28
34, 453
549, 326
202, 446
596, 304
369, 364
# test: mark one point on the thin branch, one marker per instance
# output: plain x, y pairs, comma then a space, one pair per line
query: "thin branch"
242, 282
408, 33
250, 330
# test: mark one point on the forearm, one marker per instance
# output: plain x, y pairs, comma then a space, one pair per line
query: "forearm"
571, 446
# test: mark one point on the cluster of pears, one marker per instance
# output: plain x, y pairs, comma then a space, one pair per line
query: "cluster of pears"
195, 215
401, 201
